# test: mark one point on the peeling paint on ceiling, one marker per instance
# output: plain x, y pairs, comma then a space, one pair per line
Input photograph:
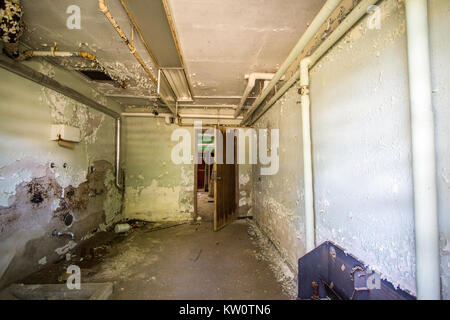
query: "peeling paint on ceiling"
45, 22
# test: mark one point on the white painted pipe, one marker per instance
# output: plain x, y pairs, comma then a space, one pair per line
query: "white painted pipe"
307, 155
183, 116
118, 136
202, 106
145, 115
250, 85
310, 32
352, 18
423, 151
207, 116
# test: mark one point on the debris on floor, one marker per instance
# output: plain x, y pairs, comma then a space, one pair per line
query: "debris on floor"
269, 253
165, 261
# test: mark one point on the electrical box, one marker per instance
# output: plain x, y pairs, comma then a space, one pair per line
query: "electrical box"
66, 133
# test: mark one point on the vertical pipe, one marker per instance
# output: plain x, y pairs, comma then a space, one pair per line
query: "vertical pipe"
307, 155
118, 132
423, 151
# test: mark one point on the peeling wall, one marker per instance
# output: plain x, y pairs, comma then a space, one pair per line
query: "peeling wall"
156, 188
439, 11
245, 190
35, 195
361, 150
278, 206
362, 147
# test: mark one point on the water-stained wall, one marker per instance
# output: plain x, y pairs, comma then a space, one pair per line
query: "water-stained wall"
157, 189
361, 150
40, 181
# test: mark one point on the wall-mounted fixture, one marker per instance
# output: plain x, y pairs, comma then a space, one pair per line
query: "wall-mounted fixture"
66, 136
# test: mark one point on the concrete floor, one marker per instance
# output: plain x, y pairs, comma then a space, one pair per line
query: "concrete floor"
205, 208
187, 261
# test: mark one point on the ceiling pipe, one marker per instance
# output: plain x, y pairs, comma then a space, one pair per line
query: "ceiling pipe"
183, 116
104, 8
139, 32
250, 85
145, 115
53, 53
197, 106
313, 28
423, 151
359, 11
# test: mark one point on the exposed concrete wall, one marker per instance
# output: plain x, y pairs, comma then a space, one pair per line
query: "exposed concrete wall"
362, 147
245, 190
278, 205
156, 188
439, 13
361, 150
33, 195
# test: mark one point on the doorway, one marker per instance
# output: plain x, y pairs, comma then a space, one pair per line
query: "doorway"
216, 184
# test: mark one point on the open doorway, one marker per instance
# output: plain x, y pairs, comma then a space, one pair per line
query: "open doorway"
204, 182
216, 182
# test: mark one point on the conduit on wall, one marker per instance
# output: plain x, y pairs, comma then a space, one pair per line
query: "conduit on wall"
422, 133
423, 151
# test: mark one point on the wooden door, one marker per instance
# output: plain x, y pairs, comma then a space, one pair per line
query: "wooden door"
224, 186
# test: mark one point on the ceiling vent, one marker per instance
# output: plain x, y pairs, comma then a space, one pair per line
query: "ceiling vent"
96, 75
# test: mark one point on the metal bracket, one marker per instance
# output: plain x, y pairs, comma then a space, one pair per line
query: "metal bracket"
303, 90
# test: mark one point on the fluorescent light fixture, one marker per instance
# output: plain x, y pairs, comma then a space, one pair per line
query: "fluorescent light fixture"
176, 79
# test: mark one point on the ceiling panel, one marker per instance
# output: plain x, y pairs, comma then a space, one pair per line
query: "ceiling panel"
222, 40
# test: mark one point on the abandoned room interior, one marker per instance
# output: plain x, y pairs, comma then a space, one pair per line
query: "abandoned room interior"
225, 149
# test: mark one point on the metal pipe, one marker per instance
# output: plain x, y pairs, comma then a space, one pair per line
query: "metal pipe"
217, 97
423, 151
359, 11
103, 8
138, 30
307, 155
185, 116
251, 83
224, 106
54, 53
145, 115
313, 28
118, 136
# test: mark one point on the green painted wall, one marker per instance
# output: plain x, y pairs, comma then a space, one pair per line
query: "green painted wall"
156, 188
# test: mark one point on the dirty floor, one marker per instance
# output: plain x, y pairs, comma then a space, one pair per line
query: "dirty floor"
205, 206
173, 261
